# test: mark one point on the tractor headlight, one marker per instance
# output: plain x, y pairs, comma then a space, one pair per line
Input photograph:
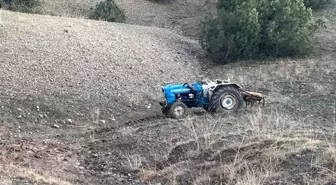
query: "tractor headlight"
191, 96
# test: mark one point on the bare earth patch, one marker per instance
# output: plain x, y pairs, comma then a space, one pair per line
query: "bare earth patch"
82, 67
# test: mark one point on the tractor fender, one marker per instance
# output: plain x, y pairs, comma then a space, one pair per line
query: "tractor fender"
236, 86
212, 89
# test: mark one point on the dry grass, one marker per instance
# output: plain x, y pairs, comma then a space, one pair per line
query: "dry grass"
147, 175
329, 159
204, 134
133, 161
10, 172
171, 174
253, 177
251, 149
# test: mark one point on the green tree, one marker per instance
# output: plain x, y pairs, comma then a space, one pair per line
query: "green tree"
245, 29
234, 33
286, 26
109, 11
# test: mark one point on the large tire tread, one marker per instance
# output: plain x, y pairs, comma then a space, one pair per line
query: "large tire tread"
176, 104
215, 106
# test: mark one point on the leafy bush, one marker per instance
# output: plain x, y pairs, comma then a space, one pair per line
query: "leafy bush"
234, 33
26, 6
245, 29
109, 11
286, 27
317, 4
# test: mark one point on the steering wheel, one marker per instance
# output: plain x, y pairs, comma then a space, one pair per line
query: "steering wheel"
190, 86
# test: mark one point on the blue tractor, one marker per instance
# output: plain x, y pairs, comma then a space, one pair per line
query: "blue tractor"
213, 96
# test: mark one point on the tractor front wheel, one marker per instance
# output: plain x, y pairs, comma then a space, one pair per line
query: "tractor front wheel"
225, 99
178, 110
206, 107
165, 111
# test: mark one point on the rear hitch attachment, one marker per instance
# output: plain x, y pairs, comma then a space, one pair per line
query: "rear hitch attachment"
252, 97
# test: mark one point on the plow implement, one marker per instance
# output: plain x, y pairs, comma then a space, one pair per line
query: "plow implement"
252, 97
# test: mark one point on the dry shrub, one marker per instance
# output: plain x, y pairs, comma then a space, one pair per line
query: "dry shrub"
26, 6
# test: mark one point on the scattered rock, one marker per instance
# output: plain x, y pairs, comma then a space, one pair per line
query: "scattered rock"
95, 155
19, 117
102, 121
20, 110
37, 156
148, 106
55, 126
62, 122
69, 121
112, 118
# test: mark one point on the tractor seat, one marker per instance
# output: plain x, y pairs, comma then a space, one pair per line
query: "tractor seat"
222, 81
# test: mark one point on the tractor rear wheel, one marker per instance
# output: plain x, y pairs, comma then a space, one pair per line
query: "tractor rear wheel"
178, 110
226, 98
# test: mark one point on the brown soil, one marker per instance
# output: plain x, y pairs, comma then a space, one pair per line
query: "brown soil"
80, 68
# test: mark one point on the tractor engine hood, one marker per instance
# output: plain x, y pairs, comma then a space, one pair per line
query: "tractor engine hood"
175, 89
170, 92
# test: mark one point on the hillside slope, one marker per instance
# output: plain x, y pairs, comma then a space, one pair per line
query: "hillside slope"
54, 68
71, 66
291, 140
183, 16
